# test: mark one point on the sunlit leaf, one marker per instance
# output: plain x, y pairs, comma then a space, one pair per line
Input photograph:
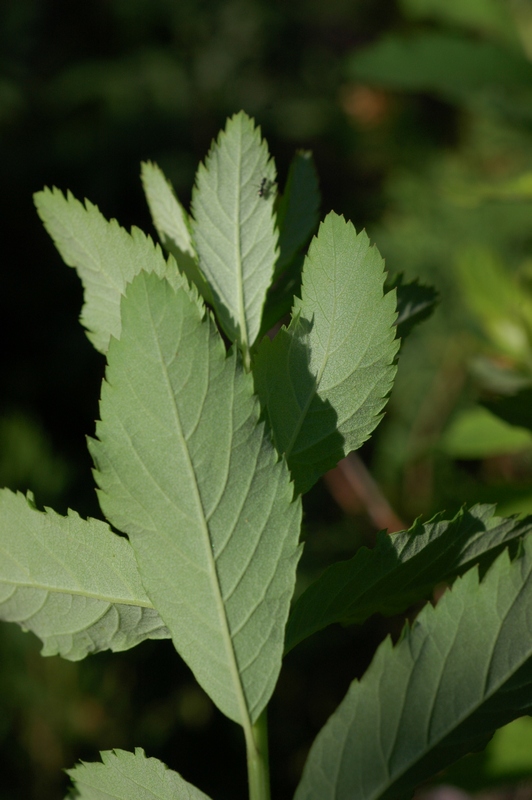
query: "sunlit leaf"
130, 776
172, 224
234, 229
106, 258
73, 582
188, 472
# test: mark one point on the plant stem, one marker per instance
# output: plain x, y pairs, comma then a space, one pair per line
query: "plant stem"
258, 765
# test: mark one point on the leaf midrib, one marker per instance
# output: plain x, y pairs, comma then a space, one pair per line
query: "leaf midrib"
226, 634
471, 711
73, 593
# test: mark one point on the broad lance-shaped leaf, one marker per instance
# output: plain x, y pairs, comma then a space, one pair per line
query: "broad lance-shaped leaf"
73, 582
130, 776
324, 380
461, 672
106, 258
234, 227
187, 472
172, 224
402, 569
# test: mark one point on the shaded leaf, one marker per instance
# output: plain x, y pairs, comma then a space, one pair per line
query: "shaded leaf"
234, 227
415, 303
186, 470
124, 776
298, 208
402, 569
463, 670
73, 582
324, 379
516, 409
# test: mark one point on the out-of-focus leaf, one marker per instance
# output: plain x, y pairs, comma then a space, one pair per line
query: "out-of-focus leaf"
415, 303
462, 671
483, 16
401, 569
73, 582
451, 65
188, 472
477, 433
130, 776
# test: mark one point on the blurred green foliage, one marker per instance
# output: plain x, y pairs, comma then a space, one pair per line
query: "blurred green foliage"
418, 115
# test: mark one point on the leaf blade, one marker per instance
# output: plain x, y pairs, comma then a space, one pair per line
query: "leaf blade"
323, 380
172, 223
122, 775
234, 227
105, 256
402, 569
72, 582
464, 669
186, 470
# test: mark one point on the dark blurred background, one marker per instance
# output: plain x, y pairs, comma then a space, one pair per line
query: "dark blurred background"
419, 115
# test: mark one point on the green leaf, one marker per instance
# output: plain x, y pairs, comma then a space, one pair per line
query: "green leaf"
491, 17
477, 433
172, 224
234, 227
106, 258
73, 582
463, 670
186, 470
298, 208
444, 63
402, 569
516, 409
324, 380
415, 303
130, 776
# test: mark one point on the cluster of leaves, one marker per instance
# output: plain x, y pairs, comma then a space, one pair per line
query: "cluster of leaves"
210, 432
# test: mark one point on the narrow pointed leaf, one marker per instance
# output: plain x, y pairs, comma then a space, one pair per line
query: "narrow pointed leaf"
462, 671
73, 582
172, 224
402, 569
186, 470
297, 212
124, 776
324, 380
234, 227
106, 258
415, 303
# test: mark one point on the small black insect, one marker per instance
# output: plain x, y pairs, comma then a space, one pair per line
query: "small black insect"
265, 188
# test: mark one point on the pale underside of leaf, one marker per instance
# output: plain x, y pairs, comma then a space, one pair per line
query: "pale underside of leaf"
463, 670
105, 256
127, 776
186, 470
325, 379
172, 224
233, 227
73, 582
402, 569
